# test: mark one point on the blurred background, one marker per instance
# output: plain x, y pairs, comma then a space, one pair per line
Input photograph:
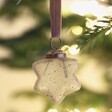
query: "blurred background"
24, 38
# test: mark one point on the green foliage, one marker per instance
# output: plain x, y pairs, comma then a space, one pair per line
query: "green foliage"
34, 44
96, 38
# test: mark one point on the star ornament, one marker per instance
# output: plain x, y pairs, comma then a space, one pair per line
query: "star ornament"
56, 78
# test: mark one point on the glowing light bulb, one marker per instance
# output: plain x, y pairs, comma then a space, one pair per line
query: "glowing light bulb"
108, 32
65, 47
74, 49
90, 23
77, 30
91, 110
76, 110
52, 110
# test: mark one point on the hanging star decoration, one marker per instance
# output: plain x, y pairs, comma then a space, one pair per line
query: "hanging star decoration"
56, 77
56, 74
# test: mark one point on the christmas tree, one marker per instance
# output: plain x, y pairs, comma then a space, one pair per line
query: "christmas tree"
87, 33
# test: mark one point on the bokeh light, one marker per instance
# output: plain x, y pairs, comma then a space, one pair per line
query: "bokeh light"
90, 23
74, 49
77, 30
108, 32
52, 110
90, 7
65, 47
76, 110
91, 110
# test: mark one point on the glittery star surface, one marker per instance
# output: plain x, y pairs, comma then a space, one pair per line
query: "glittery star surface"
56, 78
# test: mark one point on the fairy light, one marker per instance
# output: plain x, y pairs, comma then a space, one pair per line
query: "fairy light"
65, 47
76, 110
90, 23
88, 110
108, 32
52, 110
91, 110
74, 49
77, 30
91, 5
87, 7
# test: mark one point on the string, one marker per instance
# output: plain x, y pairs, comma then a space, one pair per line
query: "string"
55, 20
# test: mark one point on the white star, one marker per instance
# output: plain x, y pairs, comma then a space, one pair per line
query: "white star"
56, 78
